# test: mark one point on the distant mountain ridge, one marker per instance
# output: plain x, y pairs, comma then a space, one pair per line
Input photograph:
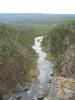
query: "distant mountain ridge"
14, 17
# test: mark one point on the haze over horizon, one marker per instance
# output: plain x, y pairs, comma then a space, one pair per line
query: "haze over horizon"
38, 6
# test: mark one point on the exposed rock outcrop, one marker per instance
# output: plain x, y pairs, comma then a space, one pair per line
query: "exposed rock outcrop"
62, 86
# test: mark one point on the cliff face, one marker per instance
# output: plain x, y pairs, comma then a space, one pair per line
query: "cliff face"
63, 82
68, 63
62, 89
66, 76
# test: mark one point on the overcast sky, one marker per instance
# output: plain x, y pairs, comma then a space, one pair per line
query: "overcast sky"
38, 6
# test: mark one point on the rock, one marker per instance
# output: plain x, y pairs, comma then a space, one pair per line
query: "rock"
5, 97
49, 97
26, 88
46, 98
49, 80
52, 74
43, 96
18, 97
66, 87
35, 73
62, 88
40, 98
1, 98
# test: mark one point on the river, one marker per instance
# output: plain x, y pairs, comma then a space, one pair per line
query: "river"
45, 68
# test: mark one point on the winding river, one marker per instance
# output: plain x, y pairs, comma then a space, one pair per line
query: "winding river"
45, 68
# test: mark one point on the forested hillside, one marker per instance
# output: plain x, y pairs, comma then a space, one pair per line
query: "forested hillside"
60, 38
17, 59
59, 43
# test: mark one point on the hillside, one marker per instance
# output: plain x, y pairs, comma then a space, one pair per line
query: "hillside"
60, 42
59, 39
17, 59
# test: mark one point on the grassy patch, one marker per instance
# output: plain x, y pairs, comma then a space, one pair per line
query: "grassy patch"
27, 70
48, 57
23, 40
13, 50
57, 66
1, 58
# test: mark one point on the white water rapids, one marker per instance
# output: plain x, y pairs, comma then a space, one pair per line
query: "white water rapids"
45, 68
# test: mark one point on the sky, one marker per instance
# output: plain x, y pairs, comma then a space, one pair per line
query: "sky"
38, 6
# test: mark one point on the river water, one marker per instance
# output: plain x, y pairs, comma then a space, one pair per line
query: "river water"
45, 68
